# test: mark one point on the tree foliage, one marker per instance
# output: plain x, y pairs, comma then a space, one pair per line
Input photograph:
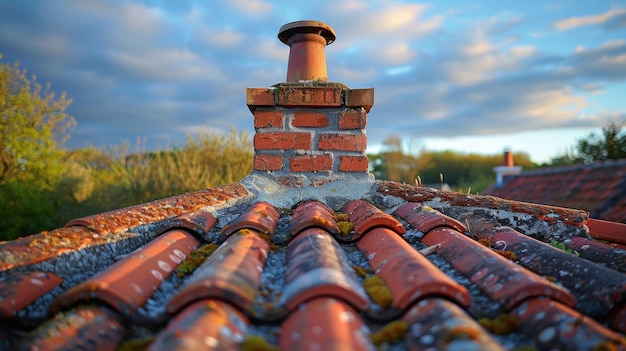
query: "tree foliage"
33, 124
610, 145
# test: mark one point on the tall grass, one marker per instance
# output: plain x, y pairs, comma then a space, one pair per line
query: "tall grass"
97, 180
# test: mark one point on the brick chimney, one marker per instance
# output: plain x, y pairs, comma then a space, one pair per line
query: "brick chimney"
309, 131
508, 168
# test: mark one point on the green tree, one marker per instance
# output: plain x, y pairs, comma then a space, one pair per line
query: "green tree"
33, 125
611, 145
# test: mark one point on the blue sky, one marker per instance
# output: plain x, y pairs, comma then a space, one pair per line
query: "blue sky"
533, 76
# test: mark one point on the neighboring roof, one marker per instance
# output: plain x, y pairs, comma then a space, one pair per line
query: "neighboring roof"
407, 266
599, 188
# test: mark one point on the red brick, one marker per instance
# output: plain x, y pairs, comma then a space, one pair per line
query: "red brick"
268, 162
343, 142
311, 163
352, 119
360, 98
282, 141
353, 164
266, 119
310, 119
259, 97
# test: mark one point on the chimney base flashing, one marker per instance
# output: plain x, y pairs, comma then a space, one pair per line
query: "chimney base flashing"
311, 179
337, 190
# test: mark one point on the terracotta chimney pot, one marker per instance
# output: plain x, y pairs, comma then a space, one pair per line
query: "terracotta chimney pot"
306, 40
508, 158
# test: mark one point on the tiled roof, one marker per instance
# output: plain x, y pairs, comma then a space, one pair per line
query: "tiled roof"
410, 267
599, 188
309, 252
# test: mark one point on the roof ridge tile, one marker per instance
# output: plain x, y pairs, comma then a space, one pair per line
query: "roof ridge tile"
124, 219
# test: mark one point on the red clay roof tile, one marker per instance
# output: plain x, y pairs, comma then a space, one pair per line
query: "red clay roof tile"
609, 287
318, 281
425, 219
128, 284
313, 214
411, 193
324, 323
260, 216
84, 328
607, 255
44, 246
204, 325
409, 275
232, 273
438, 324
199, 222
555, 326
124, 219
366, 216
498, 277
318, 267
609, 231
20, 289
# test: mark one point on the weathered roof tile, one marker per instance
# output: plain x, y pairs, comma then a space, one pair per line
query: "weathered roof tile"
204, 325
128, 284
232, 273
366, 216
20, 289
84, 328
409, 275
438, 324
425, 218
325, 280
313, 214
260, 216
324, 323
495, 275
554, 326
318, 267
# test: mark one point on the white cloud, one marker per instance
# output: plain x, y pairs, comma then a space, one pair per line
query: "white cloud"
251, 7
574, 22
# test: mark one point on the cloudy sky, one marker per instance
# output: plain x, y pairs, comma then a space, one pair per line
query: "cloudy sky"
530, 75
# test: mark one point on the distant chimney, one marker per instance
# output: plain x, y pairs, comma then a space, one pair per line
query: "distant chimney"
508, 168
309, 131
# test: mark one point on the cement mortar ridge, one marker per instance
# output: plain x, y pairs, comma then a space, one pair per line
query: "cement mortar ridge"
334, 194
